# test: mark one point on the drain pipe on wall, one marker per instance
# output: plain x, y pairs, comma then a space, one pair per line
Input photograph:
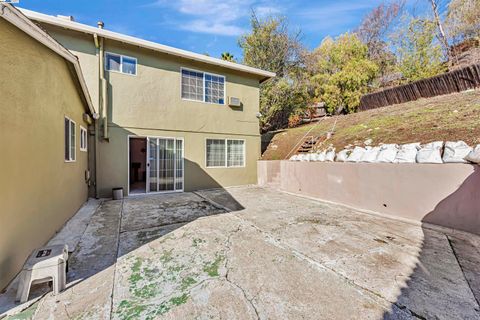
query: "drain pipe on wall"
103, 85
97, 47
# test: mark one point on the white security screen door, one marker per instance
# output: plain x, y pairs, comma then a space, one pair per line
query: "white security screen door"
165, 165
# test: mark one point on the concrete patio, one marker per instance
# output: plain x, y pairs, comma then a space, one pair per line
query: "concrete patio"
257, 253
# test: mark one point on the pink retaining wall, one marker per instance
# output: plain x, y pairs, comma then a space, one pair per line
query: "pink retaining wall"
268, 172
441, 194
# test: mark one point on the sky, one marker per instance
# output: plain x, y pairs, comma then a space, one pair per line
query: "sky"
209, 26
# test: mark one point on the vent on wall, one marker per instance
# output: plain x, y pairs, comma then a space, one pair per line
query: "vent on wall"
234, 102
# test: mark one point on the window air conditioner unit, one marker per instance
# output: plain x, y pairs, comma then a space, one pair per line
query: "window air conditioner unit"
234, 102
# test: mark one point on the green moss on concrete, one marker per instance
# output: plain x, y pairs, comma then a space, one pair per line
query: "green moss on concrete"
196, 242
166, 256
187, 283
136, 275
128, 310
179, 300
147, 291
26, 314
212, 268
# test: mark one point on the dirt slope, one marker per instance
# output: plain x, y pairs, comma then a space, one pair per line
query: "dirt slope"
448, 118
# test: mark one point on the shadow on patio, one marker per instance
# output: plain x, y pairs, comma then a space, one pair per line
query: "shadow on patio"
115, 229
452, 272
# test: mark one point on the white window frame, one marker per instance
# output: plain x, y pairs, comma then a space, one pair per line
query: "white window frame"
121, 63
84, 135
204, 95
226, 153
69, 137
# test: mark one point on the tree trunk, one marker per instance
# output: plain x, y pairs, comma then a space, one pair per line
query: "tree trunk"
442, 37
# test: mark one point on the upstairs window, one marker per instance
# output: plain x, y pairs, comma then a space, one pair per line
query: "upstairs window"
69, 140
202, 86
118, 63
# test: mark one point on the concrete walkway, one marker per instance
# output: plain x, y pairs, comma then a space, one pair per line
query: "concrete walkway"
254, 253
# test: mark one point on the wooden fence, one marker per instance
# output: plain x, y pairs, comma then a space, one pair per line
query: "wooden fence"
450, 82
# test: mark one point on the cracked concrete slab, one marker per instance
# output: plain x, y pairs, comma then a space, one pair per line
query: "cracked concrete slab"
70, 234
468, 253
91, 271
164, 209
274, 255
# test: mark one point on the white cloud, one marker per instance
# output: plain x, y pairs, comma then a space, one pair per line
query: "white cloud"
265, 11
218, 17
217, 28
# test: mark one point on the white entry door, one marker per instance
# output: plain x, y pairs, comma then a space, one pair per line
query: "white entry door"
165, 170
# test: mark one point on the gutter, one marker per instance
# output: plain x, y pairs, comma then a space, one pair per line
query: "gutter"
40, 17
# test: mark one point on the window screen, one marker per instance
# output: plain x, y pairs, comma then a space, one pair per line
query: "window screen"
69, 140
192, 85
129, 65
235, 153
215, 153
83, 139
119, 63
113, 62
214, 89
201, 86
225, 153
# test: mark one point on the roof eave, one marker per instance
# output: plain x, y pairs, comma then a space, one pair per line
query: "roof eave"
43, 18
17, 18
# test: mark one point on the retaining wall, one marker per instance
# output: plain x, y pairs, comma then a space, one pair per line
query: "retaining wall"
443, 194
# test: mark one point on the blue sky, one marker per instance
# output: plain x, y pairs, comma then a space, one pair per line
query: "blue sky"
209, 26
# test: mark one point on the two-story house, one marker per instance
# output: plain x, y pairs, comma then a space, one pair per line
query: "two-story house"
169, 119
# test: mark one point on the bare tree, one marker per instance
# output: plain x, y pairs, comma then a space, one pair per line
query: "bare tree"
463, 20
374, 29
441, 33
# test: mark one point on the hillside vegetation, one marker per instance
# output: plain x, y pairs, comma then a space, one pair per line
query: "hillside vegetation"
448, 118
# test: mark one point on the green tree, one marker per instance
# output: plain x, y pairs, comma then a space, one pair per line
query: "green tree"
342, 72
270, 46
227, 56
419, 54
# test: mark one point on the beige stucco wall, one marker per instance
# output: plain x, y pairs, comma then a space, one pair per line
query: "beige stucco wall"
150, 104
445, 194
38, 190
113, 159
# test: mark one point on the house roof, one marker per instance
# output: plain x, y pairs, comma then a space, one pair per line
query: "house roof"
15, 17
72, 25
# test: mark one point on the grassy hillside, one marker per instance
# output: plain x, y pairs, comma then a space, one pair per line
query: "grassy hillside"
451, 117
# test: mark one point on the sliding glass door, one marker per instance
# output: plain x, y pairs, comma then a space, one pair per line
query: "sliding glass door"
165, 165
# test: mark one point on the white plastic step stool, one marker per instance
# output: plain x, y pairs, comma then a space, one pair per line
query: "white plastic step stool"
44, 265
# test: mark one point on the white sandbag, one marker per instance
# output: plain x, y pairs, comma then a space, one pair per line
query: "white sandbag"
370, 154
343, 155
330, 155
387, 153
302, 157
407, 153
356, 154
455, 152
321, 156
430, 153
294, 157
474, 155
